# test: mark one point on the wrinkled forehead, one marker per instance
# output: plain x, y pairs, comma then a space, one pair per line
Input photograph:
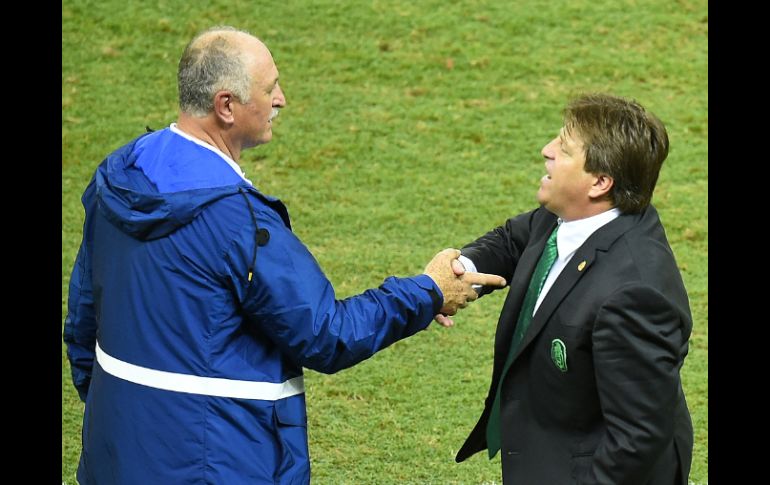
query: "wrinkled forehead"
256, 57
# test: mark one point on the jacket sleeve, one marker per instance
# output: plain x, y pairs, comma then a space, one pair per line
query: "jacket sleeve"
498, 251
637, 340
80, 323
294, 304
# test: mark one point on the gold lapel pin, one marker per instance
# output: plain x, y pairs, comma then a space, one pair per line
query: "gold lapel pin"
581, 265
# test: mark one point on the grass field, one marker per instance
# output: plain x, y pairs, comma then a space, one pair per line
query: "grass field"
410, 127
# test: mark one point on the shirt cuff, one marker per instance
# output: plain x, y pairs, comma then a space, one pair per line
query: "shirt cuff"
469, 267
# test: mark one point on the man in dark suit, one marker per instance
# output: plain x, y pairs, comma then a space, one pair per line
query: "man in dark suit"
585, 383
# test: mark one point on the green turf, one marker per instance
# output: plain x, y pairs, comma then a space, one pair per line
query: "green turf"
410, 127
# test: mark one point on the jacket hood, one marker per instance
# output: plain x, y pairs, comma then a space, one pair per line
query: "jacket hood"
129, 200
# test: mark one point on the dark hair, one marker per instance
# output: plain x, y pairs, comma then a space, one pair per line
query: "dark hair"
621, 140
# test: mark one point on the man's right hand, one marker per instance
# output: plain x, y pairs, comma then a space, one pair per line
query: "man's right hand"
457, 290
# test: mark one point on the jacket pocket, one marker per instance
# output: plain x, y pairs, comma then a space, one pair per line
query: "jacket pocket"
290, 417
291, 411
582, 459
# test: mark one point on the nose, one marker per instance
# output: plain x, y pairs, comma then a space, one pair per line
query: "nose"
279, 100
549, 149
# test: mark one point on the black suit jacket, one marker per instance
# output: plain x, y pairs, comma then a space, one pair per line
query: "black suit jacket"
614, 411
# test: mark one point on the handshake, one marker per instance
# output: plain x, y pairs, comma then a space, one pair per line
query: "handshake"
449, 275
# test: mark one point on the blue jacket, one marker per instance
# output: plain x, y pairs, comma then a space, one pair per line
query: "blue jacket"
188, 276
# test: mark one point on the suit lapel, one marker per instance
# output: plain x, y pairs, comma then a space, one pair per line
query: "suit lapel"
579, 265
567, 279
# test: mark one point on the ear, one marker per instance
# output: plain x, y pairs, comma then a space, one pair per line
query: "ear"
601, 187
223, 106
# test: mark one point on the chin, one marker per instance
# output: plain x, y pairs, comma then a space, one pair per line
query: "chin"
264, 139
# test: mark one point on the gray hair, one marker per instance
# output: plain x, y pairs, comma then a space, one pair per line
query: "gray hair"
211, 63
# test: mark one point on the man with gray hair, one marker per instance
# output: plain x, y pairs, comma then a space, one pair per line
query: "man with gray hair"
193, 307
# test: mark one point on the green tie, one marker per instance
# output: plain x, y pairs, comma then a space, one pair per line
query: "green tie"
525, 317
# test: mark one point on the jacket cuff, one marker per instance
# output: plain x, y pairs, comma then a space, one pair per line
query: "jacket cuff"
437, 297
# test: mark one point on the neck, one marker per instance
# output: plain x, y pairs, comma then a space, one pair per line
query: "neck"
589, 211
207, 130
